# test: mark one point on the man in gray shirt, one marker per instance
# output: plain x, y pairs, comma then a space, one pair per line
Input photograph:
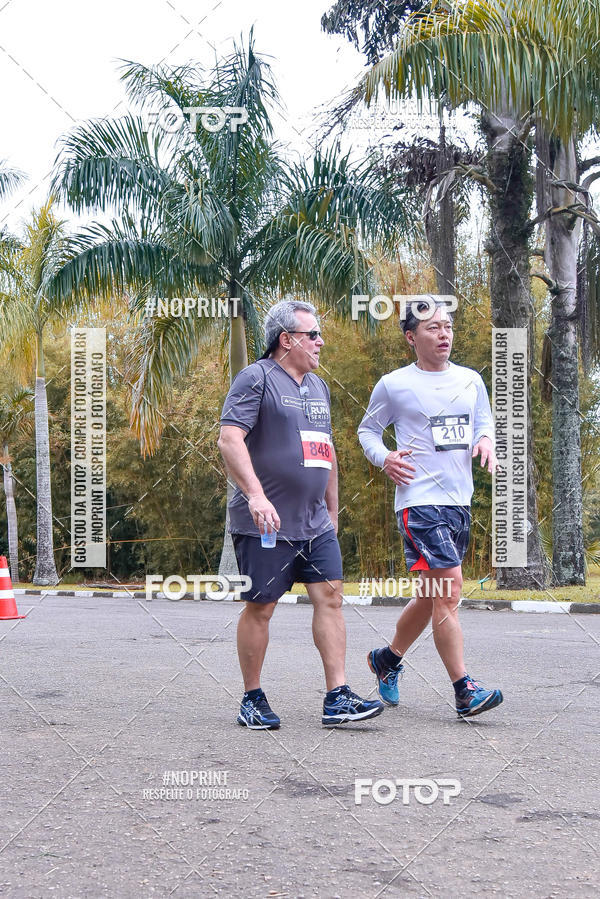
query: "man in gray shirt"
276, 443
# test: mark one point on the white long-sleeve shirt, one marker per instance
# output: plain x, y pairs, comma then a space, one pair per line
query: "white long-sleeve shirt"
439, 416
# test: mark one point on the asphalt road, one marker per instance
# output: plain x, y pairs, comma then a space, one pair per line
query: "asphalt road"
103, 698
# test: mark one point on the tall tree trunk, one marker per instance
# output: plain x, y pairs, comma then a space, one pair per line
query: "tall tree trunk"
440, 227
562, 245
238, 359
11, 518
510, 290
45, 568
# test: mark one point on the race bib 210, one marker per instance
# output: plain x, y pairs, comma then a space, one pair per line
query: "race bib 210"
451, 432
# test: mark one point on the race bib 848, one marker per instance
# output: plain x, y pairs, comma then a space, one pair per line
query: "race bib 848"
316, 449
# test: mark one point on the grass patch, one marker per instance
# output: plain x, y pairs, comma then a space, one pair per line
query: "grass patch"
589, 593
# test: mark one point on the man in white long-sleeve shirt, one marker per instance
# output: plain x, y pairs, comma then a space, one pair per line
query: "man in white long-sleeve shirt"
442, 420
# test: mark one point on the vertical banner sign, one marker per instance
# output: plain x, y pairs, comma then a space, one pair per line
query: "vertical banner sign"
88, 448
509, 483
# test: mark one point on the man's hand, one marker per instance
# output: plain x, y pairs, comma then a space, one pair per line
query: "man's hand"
486, 449
334, 520
263, 513
397, 469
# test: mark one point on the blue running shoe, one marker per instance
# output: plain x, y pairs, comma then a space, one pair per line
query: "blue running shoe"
347, 706
387, 678
257, 714
476, 700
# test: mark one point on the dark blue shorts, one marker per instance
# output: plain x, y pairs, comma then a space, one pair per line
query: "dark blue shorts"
434, 536
273, 571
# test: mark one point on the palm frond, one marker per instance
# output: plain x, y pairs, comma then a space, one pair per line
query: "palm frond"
336, 219
16, 413
107, 163
107, 261
534, 58
163, 349
10, 179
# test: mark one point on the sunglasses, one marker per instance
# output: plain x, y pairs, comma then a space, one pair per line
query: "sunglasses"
312, 335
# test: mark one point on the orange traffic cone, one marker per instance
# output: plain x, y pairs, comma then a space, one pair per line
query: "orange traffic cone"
8, 606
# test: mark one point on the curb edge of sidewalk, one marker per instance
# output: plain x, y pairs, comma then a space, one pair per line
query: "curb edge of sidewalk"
491, 605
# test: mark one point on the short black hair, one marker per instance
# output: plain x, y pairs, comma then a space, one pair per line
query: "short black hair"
411, 321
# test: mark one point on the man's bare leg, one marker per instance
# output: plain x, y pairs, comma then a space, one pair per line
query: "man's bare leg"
445, 586
413, 620
433, 602
329, 629
252, 640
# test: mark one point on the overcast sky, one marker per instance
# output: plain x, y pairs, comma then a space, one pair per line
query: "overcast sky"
59, 59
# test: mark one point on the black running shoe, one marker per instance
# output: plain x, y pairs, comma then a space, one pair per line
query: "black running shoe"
257, 714
347, 706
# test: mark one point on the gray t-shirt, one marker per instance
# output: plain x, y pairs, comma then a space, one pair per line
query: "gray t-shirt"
289, 440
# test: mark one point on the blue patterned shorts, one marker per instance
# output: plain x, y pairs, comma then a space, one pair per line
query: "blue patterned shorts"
434, 536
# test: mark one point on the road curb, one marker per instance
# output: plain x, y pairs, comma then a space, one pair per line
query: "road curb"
490, 605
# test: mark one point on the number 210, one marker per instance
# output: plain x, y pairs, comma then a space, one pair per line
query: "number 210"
456, 431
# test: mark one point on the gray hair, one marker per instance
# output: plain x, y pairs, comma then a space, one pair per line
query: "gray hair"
282, 317
411, 321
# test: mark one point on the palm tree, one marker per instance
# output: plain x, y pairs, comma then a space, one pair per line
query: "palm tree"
526, 66
216, 213
28, 308
15, 418
373, 28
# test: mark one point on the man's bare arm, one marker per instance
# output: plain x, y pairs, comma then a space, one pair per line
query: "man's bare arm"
331, 491
239, 466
